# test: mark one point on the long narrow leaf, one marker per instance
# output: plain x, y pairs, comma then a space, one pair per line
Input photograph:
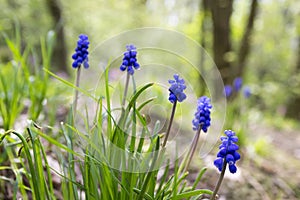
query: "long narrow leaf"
192, 193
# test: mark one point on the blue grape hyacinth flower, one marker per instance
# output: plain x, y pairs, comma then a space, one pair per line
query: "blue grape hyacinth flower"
247, 91
237, 83
129, 60
228, 152
176, 89
81, 52
227, 90
202, 116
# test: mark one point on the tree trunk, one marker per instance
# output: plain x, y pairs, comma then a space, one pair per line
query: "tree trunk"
293, 107
221, 13
205, 8
245, 42
60, 49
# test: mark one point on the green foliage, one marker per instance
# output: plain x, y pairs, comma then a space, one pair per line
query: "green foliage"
262, 147
272, 61
41, 185
113, 164
12, 84
39, 80
25, 14
23, 81
23, 93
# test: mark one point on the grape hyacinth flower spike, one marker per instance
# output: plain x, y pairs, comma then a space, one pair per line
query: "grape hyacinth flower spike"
176, 89
80, 57
81, 52
130, 63
227, 155
237, 83
227, 91
176, 94
202, 115
200, 122
129, 60
228, 151
247, 92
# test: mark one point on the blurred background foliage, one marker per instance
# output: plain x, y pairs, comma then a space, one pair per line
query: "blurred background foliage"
269, 63
258, 40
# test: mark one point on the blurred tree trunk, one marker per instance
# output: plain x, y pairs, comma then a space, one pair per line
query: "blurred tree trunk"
221, 12
205, 7
245, 42
60, 48
298, 60
293, 107
204, 30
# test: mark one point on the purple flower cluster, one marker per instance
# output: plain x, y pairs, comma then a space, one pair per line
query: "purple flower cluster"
228, 152
247, 92
176, 89
81, 52
129, 60
236, 87
237, 83
227, 90
202, 115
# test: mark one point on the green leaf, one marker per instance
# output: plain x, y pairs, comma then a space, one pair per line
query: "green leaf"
203, 170
192, 193
146, 196
70, 84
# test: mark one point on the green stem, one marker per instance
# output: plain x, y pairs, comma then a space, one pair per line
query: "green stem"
192, 149
125, 90
133, 133
76, 91
213, 196
187, 156
170, 124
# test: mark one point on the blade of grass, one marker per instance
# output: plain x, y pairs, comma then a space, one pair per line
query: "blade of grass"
36, 193
146, 196
145, 184
109, 124
69, 134
70, 84
18, 182
192, 193
203, 170
49, 176
58, 144
38, 166
164, 177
